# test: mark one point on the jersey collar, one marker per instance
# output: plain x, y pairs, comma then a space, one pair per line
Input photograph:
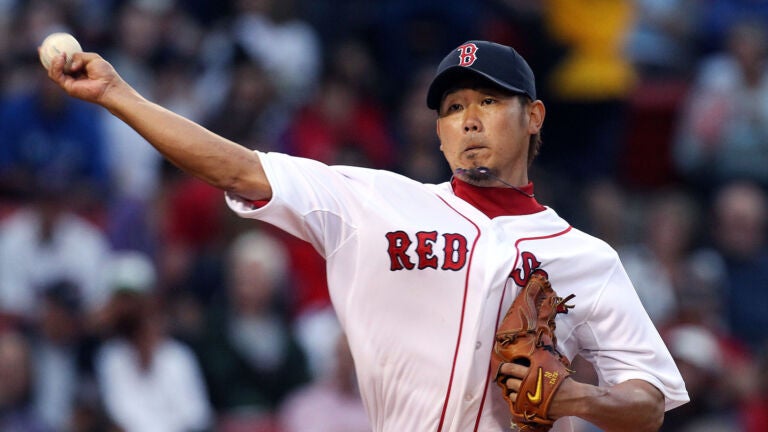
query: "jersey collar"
497, 201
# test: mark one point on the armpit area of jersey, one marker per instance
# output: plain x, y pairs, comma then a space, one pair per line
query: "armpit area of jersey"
257, 204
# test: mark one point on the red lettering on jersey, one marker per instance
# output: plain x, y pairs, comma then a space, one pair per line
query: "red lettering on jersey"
424, 242
398, 244
467, 54
530, 264
455, 251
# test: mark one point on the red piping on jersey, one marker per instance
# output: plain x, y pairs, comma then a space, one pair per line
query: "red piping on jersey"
461, 320
498, 314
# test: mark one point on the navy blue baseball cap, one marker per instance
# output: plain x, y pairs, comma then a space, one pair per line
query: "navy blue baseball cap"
499, 64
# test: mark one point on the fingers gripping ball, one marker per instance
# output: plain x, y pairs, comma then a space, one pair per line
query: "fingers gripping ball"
527, 336
56, 44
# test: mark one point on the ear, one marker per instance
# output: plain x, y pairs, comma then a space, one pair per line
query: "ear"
536, 115
437, 131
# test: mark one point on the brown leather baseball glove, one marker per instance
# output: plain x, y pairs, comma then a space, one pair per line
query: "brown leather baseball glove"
527, 336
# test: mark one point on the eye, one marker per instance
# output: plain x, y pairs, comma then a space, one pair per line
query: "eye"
452, 108
488, 101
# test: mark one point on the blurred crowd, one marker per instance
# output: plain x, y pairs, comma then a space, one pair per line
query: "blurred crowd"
131, 299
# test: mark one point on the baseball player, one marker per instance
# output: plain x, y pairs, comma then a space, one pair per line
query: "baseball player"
420, 275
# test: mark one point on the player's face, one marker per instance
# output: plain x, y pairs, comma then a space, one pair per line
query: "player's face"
487, 127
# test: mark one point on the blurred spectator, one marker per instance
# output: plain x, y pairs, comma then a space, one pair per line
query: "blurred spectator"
16, 413
723, 134
755, 413
249, 354
606, 212
7, 16
316, 330
30, 22
419, 148
741, 214
156, 44
352, 61
46, 242
521, 24
176, 64
135, 167
57, 347
661, 45
190, 246
659, 264
332, 402
137, 39
49, 138
286, 46
698, 356
149, 381
340, 127
249, 115
719, 16
407, 35
662, 41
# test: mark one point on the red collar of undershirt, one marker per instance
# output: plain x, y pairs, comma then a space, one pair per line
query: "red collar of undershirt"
497, 201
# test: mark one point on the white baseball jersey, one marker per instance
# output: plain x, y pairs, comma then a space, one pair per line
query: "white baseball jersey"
419, 278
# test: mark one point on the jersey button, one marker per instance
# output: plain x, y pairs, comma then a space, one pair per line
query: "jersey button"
478, 344
468, 397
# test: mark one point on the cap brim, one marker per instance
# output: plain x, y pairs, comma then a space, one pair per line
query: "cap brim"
446, 79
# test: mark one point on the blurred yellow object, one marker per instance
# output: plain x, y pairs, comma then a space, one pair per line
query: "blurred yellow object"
595, 66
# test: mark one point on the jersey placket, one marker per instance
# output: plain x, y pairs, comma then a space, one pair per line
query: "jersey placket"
488, 284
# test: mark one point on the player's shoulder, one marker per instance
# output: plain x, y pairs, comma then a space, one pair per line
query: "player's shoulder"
374, 172
297, 165
584, 242
383, 181
593, 243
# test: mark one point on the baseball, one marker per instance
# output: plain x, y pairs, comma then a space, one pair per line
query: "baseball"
55, 44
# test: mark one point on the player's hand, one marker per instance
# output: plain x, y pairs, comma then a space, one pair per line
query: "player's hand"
515, 374
568, 389
89, 77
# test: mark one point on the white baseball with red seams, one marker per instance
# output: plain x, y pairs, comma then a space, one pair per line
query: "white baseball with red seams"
419, 278
55, 44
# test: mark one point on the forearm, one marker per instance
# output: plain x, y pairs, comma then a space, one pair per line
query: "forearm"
632, 405
194, 149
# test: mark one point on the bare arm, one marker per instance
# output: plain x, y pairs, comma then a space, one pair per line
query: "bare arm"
196, 150
634, 405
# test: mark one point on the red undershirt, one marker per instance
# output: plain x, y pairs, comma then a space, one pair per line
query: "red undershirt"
498, 201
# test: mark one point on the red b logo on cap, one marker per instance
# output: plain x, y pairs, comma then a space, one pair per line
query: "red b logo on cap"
467, 54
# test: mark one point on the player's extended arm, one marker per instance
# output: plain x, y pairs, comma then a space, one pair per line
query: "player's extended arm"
196, 150
634, 405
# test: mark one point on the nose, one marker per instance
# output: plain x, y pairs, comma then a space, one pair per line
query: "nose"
472, 121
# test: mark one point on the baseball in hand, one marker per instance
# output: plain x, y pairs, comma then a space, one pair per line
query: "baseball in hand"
54, 45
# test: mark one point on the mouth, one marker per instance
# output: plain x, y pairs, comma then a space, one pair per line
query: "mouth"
472, 150
471, 147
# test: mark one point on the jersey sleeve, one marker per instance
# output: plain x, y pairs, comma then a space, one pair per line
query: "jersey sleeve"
313, 201
622, 343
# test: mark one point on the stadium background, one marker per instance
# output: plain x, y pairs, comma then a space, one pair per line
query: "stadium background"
656, 140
